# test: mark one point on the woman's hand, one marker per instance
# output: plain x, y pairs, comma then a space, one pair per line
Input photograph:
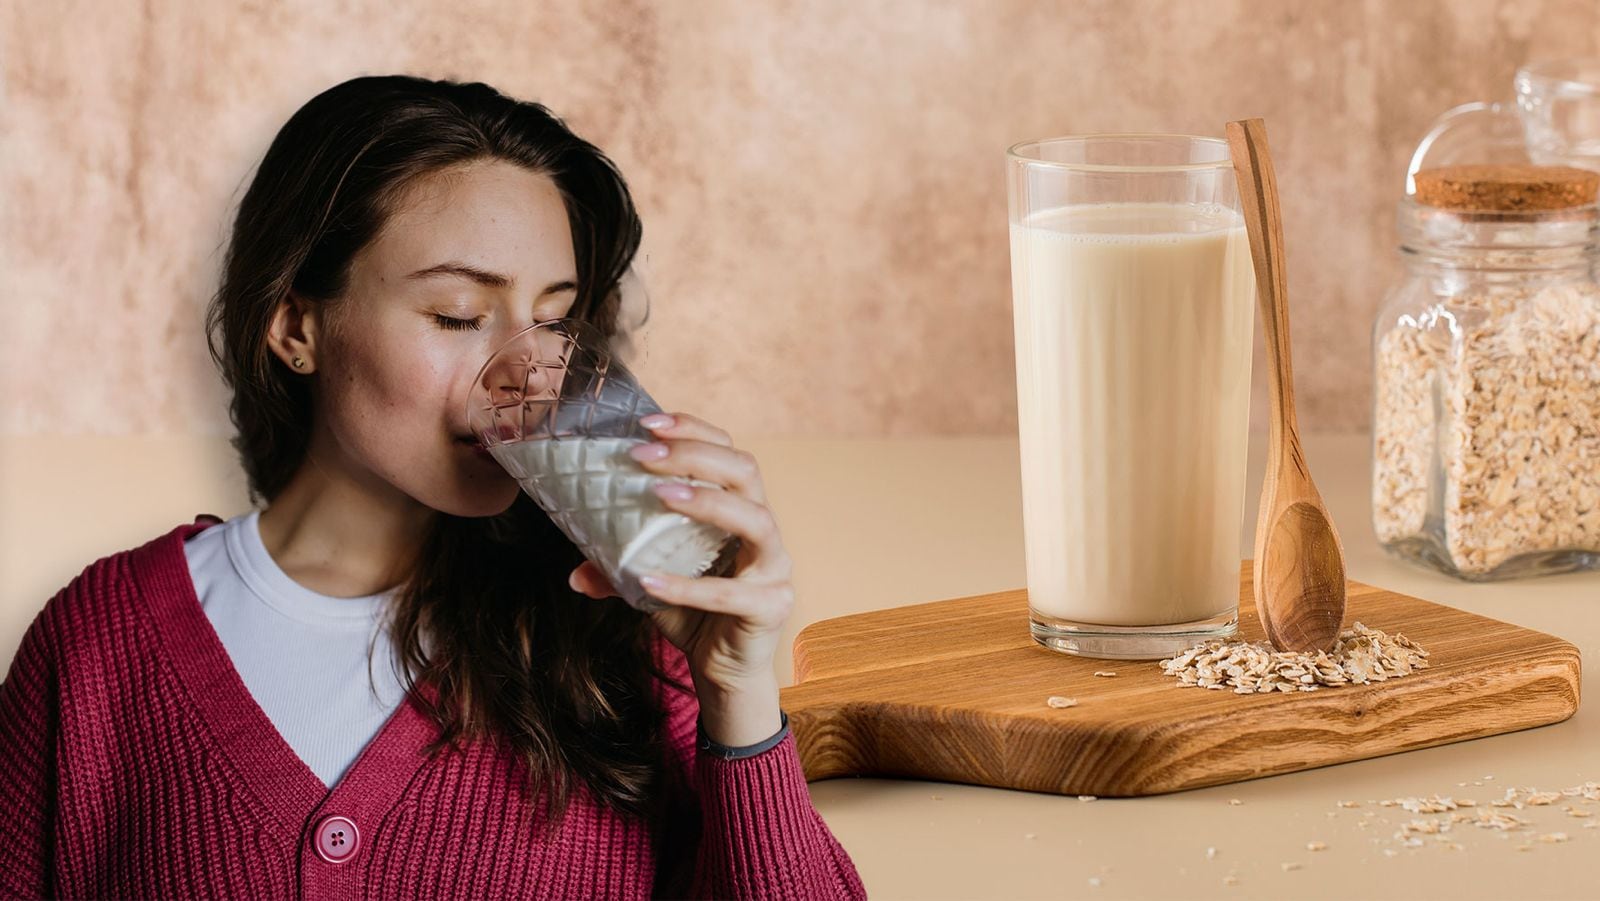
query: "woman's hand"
727, 628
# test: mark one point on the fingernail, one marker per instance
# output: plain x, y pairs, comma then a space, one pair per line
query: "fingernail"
673, 491
657, 421
644, 452
652, 582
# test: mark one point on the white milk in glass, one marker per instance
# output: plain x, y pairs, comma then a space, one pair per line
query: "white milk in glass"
1133, 326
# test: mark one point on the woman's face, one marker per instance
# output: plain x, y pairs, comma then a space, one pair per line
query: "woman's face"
471, 256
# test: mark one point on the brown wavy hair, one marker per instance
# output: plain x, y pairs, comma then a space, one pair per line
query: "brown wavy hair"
484, 614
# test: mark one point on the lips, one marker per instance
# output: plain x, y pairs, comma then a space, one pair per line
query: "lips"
508, 432
472, 444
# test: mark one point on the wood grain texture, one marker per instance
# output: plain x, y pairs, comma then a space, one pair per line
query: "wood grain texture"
955, 691
1299, 589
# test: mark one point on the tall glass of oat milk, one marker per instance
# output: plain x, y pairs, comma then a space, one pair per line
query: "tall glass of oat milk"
1133, 298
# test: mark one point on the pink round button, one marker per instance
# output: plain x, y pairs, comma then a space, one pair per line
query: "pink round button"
336, 839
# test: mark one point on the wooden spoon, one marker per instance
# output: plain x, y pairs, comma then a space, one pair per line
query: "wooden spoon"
1299, 565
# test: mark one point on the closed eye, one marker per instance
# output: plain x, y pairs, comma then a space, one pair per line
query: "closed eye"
457, 324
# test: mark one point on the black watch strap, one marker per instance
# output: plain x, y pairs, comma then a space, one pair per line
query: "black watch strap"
727, 753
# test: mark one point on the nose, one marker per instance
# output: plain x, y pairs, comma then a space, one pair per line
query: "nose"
531, 367
520, 382
503, 379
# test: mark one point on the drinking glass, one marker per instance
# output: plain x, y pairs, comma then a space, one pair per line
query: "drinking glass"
1133, 296
560, 413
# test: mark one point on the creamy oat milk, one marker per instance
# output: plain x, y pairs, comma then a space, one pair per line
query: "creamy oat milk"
1133, 326
601, 498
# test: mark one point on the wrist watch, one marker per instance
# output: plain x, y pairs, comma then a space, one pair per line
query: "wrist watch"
727, 753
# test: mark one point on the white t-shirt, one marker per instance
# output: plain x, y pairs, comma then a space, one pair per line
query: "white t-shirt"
303, 655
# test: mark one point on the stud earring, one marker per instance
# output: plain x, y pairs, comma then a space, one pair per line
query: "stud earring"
299, 362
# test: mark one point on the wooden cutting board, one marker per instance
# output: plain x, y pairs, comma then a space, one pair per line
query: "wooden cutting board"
955, 691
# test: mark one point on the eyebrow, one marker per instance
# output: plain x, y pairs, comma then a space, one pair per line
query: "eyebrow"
484, 277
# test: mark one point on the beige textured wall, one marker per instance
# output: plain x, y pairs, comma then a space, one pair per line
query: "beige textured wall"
821, 182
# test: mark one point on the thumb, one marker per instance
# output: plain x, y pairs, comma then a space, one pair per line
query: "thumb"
589, 580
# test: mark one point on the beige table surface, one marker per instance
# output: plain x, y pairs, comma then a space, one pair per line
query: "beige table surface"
885, 522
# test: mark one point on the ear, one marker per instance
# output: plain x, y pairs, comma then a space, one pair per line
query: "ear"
293, 333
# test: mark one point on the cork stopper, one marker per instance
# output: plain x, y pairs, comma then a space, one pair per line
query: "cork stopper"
1507, 188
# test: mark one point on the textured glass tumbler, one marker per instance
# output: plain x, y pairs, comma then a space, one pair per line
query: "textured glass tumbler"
1133, 298
560, 414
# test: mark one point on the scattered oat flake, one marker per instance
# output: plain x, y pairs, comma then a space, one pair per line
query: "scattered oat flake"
1094, 881
1088, 798
1234, 802
1211, 854
1316, 846
1504, 822
1104, 674
1435, 804
937, 797
1349, 803
1291, 865
1423, 826
1514, 813
1031, 835
1059, 701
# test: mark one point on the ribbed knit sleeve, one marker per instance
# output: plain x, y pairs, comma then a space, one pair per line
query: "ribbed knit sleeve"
29, 724
743, 828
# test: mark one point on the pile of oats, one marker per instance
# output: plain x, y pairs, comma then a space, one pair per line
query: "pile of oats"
1361, 655
1486, 427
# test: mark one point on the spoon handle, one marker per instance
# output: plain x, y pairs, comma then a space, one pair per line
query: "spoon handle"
1258, 199
1299, 562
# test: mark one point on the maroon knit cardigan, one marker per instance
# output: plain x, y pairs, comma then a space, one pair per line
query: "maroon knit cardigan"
135, 763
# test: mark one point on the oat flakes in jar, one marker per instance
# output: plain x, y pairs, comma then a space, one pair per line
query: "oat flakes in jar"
1486, 401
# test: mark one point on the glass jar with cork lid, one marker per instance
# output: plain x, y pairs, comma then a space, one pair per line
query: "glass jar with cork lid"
1486, 401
